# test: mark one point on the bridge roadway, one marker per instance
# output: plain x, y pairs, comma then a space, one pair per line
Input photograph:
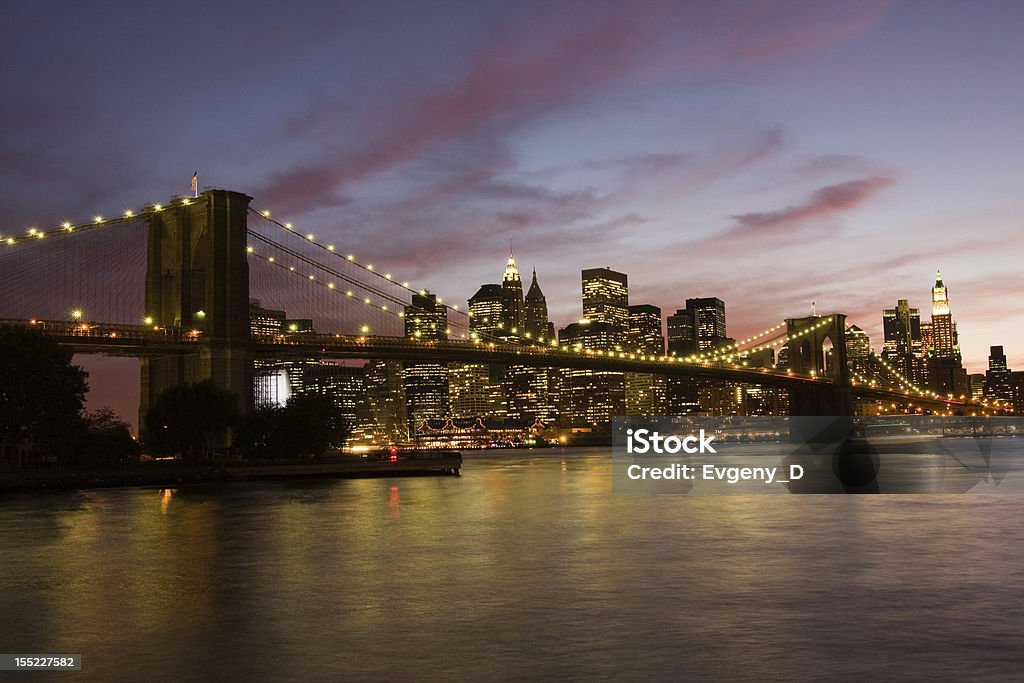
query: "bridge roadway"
143, 340
400, 348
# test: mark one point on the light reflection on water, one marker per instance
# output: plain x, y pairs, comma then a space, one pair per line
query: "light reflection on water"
527, 566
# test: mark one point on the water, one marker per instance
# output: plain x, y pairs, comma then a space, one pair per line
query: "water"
526, 567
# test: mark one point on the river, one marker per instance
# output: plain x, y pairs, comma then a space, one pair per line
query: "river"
527, 567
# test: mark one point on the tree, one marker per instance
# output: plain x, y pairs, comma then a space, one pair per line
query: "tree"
185, 418
313, 424
105, 439
258, 435
41, 392
309, 424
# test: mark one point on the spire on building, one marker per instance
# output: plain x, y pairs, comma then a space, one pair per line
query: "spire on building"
511, 271
940, 297
536, 313
512, 296
534, 291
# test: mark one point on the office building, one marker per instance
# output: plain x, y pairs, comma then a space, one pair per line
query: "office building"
591, 397
646, 394
902, 348
536, 322
426, 384
997, 379
513, 307
606, 300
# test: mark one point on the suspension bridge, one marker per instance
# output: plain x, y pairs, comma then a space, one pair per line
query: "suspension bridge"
172, 285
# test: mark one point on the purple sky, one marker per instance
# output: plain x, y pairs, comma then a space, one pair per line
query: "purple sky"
768, 153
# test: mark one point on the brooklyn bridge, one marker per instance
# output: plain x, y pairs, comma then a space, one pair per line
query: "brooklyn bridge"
171, 284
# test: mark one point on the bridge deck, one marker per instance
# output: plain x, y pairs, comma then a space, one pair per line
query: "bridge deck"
141, 340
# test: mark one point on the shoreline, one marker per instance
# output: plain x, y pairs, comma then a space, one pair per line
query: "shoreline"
177, 473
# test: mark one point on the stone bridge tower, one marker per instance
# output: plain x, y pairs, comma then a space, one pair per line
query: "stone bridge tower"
818, 346
197, 277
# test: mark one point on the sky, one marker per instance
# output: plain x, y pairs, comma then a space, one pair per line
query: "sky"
768, 153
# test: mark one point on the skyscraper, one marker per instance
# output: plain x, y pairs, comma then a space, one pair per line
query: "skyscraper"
426, 384
645, 393
698, 328
902, 348
858, 351
944, 337
535, 316
681, 339
469, 390
977, 384
945, 372
858, 345
532, 392
485, 311
645, 330
606, 300
512, 314
385, 395
708, 321
997, 379
591, 397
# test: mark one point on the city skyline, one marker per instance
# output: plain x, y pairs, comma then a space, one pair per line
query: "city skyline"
768, 156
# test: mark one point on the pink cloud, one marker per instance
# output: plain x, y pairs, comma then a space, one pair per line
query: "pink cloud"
546, 58
823, 203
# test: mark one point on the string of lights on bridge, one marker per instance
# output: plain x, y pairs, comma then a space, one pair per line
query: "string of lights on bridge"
351, 258
478, 337
725, 350
482, 338
332, 287
98, 221
724, 354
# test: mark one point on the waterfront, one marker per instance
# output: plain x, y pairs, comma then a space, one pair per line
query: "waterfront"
525, 567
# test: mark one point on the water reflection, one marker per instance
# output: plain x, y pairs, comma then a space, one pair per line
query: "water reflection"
527, 566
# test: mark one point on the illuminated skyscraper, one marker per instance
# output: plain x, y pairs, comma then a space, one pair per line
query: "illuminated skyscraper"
945, 372
532, 392
708, 321
681, 339
858, 351
606, 300
470, 391
536, 320
385, 396
591, 397
697, 328
645, 333
997, 379
485, 311
944, 337
645, 393
477, 390
977, 383
902, 348
426, 384
512, 314
858, 345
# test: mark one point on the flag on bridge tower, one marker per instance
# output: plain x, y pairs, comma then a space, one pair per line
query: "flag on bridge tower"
195, 183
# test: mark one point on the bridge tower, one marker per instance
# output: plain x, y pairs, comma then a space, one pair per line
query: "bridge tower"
820, 351
197, 277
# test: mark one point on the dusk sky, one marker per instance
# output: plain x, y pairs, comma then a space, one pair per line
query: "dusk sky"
767, 153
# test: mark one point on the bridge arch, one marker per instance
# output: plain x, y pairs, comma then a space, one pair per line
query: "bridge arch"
816, 345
